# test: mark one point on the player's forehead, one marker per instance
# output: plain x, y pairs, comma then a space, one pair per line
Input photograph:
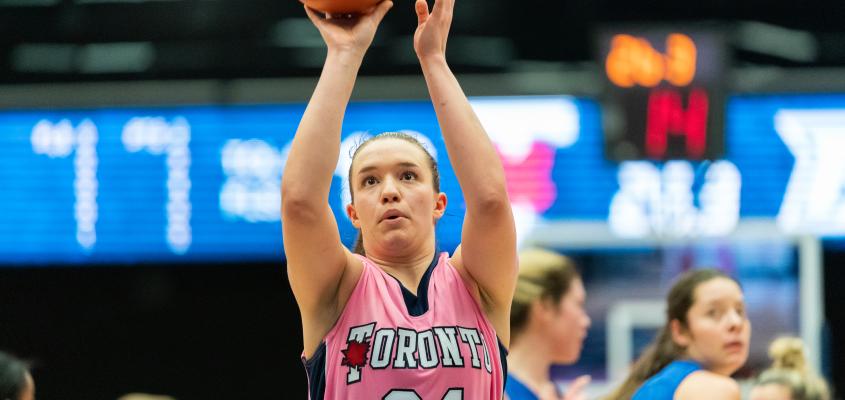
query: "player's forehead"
717, 291
389, 153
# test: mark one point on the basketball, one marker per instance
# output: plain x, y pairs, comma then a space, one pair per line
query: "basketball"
342, 6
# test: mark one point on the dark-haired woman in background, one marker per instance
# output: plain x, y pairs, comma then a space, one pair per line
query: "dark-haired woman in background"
705, 340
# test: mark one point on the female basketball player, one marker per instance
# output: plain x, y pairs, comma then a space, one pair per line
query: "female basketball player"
548, 325
704, 341
400, 321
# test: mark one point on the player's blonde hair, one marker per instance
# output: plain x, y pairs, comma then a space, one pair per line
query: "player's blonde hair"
790, 369
543, 276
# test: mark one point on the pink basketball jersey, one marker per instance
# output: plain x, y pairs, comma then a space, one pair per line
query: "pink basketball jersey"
378, 350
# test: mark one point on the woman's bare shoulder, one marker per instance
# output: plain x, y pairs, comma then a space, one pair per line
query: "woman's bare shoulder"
706, 385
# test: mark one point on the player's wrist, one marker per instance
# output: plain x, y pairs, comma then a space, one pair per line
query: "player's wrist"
345, 56
433, 61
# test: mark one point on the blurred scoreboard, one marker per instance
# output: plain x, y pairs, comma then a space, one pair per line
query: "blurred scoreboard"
175, 184
664, 93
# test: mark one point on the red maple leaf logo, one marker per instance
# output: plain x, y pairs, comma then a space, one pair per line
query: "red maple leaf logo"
355, 354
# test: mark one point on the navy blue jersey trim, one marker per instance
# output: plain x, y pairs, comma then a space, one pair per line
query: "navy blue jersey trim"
316, 370
418, 304
503, 355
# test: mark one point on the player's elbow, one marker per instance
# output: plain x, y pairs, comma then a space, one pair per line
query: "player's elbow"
298, 204
489, 201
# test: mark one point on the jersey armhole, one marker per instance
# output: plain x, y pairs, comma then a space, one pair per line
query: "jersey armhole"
503, 355
315, 369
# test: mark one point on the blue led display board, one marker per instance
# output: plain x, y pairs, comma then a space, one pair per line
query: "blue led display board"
172, 184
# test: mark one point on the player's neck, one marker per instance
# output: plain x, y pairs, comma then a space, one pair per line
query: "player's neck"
408, 270
528, 360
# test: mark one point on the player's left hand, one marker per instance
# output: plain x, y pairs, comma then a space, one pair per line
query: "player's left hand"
432, 28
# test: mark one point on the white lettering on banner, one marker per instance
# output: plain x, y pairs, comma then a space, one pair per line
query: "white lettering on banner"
719, 199
814, 201
253, 171
58, 141
662, 203
157, 136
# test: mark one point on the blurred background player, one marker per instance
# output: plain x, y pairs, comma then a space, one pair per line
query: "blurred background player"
548, 326
704, 341
790, 377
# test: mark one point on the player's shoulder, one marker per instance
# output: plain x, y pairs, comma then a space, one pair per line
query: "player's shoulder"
349, 279
705, 385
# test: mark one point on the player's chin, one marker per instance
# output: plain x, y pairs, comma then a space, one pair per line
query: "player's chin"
397, 239
569, 354
735, 361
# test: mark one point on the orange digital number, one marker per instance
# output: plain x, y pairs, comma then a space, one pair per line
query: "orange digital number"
634, 61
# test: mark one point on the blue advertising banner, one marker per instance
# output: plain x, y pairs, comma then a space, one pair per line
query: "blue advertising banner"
173, 184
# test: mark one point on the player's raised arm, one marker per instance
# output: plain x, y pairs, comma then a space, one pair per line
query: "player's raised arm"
488, 249
316, 258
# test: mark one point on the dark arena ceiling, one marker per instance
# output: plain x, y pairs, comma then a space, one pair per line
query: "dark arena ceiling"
96, 40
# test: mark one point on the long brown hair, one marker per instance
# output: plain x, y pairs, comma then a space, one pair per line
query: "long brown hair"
663, 350
358, 246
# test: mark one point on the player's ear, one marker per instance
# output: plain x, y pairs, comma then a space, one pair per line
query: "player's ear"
353, 216
440, 202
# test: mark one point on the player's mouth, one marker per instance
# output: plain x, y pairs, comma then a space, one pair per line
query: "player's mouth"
734, 346
392, 215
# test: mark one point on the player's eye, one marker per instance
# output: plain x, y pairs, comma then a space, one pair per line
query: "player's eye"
409, 176
369, 181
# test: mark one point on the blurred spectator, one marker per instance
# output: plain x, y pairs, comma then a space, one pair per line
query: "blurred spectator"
548, 326
704, 341
15, 380
789, 378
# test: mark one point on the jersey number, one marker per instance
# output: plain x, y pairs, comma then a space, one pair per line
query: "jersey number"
406, 394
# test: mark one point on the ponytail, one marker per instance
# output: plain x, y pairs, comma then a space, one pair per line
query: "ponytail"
655, 357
